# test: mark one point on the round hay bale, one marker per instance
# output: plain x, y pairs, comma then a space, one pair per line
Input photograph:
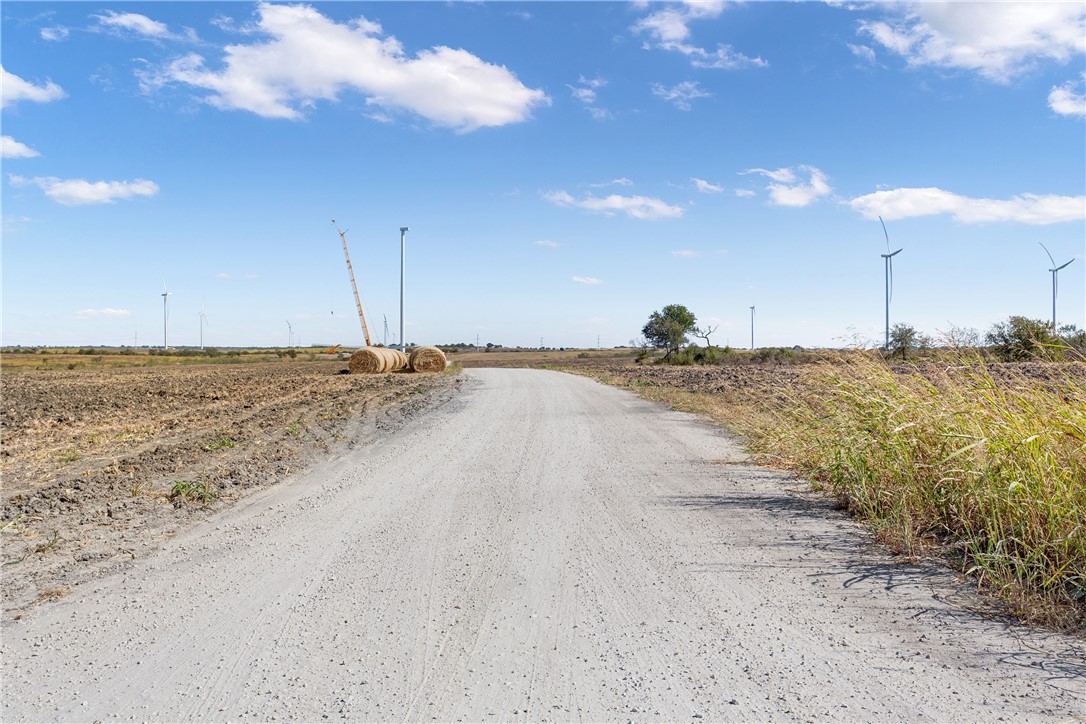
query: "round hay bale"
401, 359
366, 361
427, 359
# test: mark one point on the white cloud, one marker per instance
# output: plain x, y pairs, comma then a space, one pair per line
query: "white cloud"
133, 22
548, 243
13, 89
705, 187
10, 148
55, 33
997, 40
585, 92
107, 312
669, 29
77, 192
638, 207
1066, 100
906, 203
306, 58
680, 95
789, 189
865, 53
587, 280
745, 193
613, 182
685, 253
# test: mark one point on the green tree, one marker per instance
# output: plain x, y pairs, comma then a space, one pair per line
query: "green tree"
1020, 338
904, 338
668, 328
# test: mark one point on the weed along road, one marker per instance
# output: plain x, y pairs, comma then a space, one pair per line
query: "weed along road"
541, 547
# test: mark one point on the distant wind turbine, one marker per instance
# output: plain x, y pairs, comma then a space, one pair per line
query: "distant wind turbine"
290, 334
752, 327
203, 321
165, 314
1055, 283
889, 257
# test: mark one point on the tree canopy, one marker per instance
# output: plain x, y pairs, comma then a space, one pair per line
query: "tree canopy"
668, 328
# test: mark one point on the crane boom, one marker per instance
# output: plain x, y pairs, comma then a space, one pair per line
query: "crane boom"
354, 286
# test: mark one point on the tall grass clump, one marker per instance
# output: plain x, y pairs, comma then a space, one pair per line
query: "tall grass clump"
984, 462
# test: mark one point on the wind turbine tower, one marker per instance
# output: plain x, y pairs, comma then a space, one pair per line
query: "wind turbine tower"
203, 321
165, 314
1055, 270
752, 327
889, 257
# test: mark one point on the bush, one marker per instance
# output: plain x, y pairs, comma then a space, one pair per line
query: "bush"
1020, 338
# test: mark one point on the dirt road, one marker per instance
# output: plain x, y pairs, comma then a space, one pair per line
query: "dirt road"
541, 547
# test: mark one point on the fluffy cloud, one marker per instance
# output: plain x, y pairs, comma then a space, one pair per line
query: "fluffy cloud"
638, 207
13, 89
1066, 100
1026, 209
133, 22
10, 148
77, 192
799, 186
705, 187
587, 280
680, 95
107, 312
997, 40
306, 58
669, 29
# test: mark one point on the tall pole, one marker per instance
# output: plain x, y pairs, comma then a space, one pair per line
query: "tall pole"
752, 327
889, 266
403, 280
164, 345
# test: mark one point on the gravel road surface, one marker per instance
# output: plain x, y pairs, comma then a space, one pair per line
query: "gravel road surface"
542, 547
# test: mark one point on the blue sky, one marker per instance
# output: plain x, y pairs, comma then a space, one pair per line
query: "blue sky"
565, 168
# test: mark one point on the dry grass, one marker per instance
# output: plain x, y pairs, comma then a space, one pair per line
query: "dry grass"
982, 465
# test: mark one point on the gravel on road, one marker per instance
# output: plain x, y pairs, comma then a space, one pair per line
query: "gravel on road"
539, 548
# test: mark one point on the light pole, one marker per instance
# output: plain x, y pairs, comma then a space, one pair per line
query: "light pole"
752, 327
403, 279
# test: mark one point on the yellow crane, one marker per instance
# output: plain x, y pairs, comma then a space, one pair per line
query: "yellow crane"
354, 285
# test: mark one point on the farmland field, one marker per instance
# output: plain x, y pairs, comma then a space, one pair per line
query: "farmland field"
101, 462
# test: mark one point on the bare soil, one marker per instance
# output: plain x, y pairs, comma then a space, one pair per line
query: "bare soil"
99, 465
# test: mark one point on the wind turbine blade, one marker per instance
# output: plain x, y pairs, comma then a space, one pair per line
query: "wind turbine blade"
1061, 267
1049, 254
884, 233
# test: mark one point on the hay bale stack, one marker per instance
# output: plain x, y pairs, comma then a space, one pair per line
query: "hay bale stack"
427, 359
375, 360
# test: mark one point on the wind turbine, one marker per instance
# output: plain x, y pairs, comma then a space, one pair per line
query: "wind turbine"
165, 313
290, 334
1055, 284
384, 340
752, 327
203, 321
889, 257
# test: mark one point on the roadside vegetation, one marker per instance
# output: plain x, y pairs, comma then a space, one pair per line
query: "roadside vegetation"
975, 454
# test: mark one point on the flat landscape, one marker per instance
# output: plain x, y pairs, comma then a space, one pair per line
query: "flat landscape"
101, 463
540, 547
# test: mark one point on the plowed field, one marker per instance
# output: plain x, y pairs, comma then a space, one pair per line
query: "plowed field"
98, 465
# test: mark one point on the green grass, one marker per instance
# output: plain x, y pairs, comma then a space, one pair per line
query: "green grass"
185, 491
993, 469
221, 443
